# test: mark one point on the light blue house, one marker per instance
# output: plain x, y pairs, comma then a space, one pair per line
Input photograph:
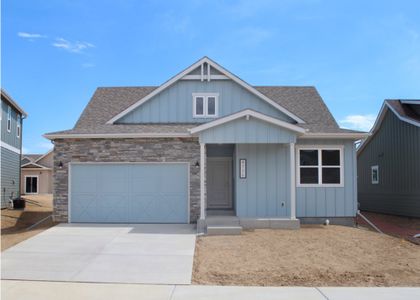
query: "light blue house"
206, 147
11, 145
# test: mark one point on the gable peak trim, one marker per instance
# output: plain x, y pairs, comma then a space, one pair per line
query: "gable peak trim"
200, 63
247, 113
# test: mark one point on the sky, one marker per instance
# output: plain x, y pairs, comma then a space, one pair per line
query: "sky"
54, 54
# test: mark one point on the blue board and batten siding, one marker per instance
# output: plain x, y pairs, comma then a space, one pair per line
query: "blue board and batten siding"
265, 192
175, 104
330, 201
10, 160
247, 131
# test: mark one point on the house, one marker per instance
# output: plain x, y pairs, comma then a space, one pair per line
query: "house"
11, 147
205, 144
389, 161
36, 173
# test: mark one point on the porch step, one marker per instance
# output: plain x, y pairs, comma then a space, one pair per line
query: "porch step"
222, 221
224, 230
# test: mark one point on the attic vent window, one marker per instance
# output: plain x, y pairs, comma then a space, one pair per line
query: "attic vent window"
205, 105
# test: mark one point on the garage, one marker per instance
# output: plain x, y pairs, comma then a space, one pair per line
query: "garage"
128, 193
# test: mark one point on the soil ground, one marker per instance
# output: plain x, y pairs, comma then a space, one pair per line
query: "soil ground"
15, 223
312, 256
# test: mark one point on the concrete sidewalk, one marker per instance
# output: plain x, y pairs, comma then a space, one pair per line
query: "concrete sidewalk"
35, 290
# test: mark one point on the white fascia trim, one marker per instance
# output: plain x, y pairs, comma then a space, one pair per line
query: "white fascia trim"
415, 102
378, 123
156, 91
247, 113
14, 104
218, 68
115, 135
41, 157
9, 147
410, 121
198, 77
36, 169
353, 136
35, 164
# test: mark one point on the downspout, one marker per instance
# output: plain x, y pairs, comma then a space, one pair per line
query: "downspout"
21, 147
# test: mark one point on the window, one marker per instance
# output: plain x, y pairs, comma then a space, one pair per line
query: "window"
19, 120
31, 184
375, 174
320, 166
9, 118
205, 105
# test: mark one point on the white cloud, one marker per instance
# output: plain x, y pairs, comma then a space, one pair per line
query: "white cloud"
73, 47
88, 65
358, 122
30, 36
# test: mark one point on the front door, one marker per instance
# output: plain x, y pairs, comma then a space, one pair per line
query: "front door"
31, 184
219, 183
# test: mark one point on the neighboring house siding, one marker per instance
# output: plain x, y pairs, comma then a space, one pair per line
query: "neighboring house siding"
330, 201
265, 192
124, 150
247, 131
175, 104
47, 161
9, 137
44, 180
395, 149
10, 164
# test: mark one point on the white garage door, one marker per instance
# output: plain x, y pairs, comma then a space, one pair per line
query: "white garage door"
129, 193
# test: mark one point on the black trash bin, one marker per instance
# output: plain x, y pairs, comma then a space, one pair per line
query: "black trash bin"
18, 203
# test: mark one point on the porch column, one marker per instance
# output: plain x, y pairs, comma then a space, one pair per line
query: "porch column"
202, 182
292, 182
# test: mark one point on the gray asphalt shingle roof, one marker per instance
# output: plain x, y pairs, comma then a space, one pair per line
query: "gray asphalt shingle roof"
304, 102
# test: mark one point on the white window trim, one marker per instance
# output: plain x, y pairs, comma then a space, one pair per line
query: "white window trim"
9, 119
37, 185
377, 174
205, 105
18, 121
319, 166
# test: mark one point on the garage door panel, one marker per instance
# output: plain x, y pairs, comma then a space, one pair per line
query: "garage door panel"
130, 193
84, 209
144, 185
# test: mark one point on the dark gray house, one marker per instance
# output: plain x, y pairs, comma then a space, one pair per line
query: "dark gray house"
389, 161
11, 146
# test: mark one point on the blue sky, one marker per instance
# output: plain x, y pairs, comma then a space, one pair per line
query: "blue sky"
56, 53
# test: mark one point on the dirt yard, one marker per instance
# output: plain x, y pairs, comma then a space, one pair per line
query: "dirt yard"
311, 256
15, 223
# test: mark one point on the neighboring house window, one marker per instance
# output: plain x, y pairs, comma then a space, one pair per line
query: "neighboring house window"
205, 105
375, 174
18, 126
9, 118
320, 166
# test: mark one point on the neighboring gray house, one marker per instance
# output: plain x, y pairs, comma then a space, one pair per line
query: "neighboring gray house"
389, 161
11, 145
36, 173
203, 144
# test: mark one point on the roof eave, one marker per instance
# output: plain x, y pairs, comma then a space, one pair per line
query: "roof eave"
14, 103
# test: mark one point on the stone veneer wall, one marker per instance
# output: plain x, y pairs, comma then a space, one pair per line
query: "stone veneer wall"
123, 150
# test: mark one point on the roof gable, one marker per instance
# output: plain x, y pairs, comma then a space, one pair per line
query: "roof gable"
204, 63
396, 107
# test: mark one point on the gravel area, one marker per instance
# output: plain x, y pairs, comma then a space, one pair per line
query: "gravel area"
311, 256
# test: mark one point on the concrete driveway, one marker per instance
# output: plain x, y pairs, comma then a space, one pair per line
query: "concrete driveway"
152, 254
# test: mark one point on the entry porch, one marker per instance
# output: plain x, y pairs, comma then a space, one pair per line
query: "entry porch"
247, 173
